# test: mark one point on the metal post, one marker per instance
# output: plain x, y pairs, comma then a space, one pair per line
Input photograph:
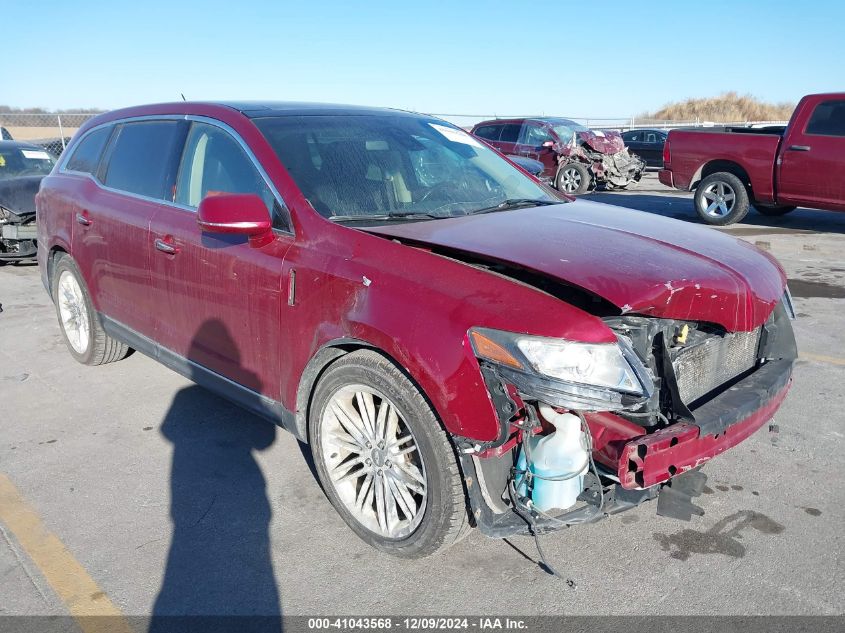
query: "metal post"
61, 131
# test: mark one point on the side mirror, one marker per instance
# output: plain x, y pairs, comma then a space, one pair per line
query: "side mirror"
549, 144
239, 213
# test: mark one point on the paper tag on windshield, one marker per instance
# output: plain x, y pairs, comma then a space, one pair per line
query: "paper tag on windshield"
456, 136
598, 133
35, 153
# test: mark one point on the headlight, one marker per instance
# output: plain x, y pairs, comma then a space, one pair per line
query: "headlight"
601, 365
591, 376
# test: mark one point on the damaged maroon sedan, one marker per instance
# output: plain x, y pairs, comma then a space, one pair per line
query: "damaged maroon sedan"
458, 348
576, 158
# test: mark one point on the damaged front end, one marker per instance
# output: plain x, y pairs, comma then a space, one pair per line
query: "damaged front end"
17, 218
17, 235
654, 407
609, 162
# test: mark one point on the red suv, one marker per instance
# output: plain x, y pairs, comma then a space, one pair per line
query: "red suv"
575, 157
401, 297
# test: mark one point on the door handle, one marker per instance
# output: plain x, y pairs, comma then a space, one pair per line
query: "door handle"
165, 247
83, 220
799, 148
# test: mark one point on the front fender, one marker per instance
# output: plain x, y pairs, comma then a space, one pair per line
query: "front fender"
415, 307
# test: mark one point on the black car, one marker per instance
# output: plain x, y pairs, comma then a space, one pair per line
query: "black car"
22, 166
647, 144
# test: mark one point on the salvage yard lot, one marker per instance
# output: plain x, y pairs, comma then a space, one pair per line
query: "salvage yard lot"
112, 458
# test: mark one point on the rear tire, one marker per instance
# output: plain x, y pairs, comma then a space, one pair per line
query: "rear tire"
416, 519
773, 211
573, 179
79, 322
721, 199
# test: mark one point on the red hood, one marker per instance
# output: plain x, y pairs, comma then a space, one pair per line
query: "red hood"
642, 263
605, 142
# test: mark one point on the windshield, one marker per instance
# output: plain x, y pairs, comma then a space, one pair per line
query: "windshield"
352, 167
565, 129
24, 161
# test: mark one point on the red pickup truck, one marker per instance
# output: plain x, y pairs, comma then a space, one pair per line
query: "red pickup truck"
773, 169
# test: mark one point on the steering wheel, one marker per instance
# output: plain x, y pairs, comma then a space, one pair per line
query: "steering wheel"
440, 187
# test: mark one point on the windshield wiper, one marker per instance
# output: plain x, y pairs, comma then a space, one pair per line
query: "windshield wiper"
393, 215
513, 203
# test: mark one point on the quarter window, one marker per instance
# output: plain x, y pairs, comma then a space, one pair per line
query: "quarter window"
141, 158
828, 119
489, 132
86, 156
214, 163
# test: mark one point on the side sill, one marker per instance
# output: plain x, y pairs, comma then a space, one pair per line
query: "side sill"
250, 400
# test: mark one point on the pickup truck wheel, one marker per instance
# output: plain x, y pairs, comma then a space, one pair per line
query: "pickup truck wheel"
721, 199
573, 178
773, 211
80, 324
383, 459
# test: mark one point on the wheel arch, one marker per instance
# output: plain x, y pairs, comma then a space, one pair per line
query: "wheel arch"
52, 257
316, 367
715, 166
326, 356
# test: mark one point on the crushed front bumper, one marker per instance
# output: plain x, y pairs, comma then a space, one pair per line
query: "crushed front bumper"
501, 524
644, 463
17, 239
720, 424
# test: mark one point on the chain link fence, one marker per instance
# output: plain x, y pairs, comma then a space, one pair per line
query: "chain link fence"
53, 131
50, 131
620, 124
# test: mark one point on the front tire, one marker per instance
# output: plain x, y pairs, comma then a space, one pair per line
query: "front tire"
721, 199
573, 178
84, 336
383, 460
773, 211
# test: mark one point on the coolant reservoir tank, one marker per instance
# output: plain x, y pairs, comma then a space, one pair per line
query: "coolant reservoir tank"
560, 456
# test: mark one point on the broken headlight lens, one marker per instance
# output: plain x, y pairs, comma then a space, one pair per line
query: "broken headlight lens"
577, 375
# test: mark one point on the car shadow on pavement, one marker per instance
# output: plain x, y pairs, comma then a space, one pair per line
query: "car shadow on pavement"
219, 564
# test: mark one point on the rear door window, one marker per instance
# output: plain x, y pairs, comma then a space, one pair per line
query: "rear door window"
142, 158
86, 156
510, 133
828, 119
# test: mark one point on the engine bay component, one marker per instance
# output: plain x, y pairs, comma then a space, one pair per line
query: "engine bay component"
551, 467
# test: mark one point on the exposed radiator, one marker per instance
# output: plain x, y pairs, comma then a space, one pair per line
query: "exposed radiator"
713, 361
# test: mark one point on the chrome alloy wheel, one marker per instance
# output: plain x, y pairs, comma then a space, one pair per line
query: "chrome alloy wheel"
718, 199
73, 312
373, 462
570, 180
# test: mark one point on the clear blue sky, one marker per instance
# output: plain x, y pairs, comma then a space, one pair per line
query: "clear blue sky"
579, 58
